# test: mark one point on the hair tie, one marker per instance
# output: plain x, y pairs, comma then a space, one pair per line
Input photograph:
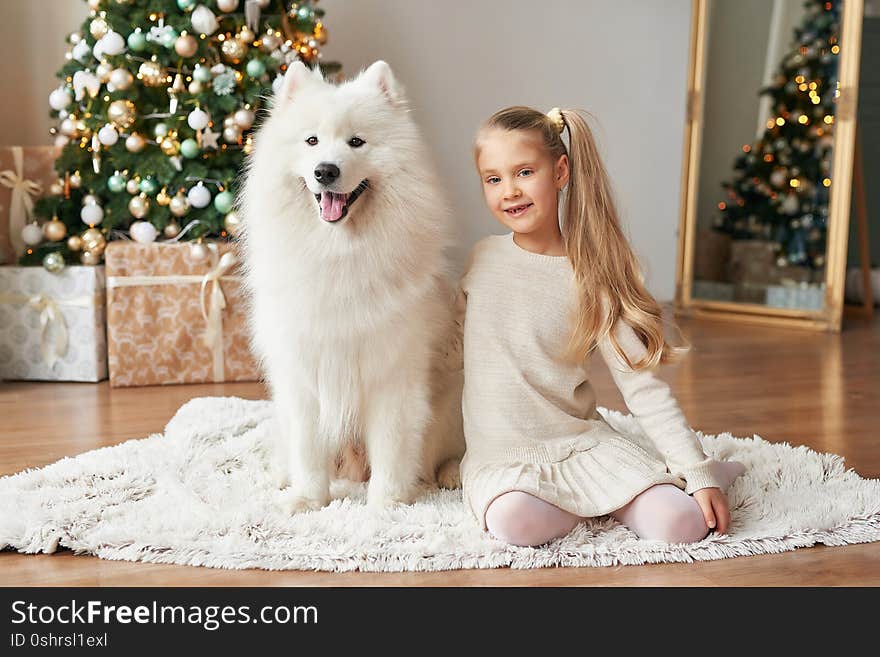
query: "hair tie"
555, 115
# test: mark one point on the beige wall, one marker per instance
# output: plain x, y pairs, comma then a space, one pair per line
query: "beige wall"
32, 46
626, 62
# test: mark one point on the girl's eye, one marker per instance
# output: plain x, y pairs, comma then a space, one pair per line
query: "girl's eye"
492, 178
312, 141
526, 171
356, 142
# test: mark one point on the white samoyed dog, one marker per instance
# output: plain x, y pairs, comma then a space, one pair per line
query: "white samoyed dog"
343, 241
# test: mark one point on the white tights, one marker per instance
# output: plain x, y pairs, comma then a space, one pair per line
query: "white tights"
662, 512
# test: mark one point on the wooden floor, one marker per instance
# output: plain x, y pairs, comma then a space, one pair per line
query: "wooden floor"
815, 389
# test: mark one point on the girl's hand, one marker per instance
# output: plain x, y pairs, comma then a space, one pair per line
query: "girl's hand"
716, 511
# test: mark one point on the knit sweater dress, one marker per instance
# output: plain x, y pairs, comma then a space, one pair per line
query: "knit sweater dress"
530, 419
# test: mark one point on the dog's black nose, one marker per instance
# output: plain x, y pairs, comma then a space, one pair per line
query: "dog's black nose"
326, 173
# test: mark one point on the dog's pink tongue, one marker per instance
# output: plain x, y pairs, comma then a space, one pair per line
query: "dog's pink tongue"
331, 206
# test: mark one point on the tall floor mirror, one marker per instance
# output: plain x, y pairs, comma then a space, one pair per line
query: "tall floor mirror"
768, 160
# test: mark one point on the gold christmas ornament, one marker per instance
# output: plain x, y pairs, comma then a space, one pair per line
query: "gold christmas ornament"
231, 135
246, 35
232, 223
135, 143
121, 114
93, 241
89, 258
195, 87
74, 243
98, 28
179, 205
186, 45
169, 144
54, 230
56, 188
233, 50
171, 230
139, 206
270, 41
75, 180
162, 197
152, 74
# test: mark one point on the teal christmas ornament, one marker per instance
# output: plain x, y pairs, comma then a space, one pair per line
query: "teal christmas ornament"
148, 185
189, 148
223, 202
116, 183
186, 5
256, 68
137, 41
202, 74
169, 38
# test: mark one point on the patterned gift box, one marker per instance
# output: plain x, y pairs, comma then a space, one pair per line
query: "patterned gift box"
52, 326
26, 172
172, 318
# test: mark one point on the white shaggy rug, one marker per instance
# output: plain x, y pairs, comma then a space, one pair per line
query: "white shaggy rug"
200, 495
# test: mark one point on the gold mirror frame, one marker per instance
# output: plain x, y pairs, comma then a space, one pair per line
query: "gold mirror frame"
829, 318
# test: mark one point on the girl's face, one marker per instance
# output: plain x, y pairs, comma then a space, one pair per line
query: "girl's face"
520, 181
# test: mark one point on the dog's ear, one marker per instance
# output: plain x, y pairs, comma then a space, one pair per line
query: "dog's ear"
297, 76
380, 76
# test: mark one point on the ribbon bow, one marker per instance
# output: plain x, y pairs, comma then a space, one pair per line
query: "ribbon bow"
51, 317
213, 337
21, 208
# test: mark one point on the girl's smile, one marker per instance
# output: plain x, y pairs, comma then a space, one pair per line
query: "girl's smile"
521, 185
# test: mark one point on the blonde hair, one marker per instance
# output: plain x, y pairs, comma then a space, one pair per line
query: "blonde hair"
609, 280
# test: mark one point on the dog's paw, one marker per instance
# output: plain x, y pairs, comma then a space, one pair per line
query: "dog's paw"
293, 502
449, 474
379, 497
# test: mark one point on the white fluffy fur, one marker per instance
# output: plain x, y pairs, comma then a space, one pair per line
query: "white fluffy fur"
200, 494
349, 319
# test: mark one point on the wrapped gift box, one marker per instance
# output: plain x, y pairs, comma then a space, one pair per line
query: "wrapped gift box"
52, 326
797, 294
26, 172
172, 318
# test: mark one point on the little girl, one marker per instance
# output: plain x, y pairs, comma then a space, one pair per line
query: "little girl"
532, 306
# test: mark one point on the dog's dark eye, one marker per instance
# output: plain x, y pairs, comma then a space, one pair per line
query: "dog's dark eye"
312, 141
356, 142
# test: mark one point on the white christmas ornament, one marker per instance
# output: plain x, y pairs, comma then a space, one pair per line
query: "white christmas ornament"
85, 81
121, 78
32, 234
227, 5
61, 141
244, 119
108, 135
199, 196
204, 21
82, 52
143, 232
92, 214
59, 99
276, 83
111, 43
197, 119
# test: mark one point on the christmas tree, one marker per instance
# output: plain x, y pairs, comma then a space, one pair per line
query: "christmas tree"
156, 109
781, 183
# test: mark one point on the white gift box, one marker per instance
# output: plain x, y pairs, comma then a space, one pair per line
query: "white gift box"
53, 326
